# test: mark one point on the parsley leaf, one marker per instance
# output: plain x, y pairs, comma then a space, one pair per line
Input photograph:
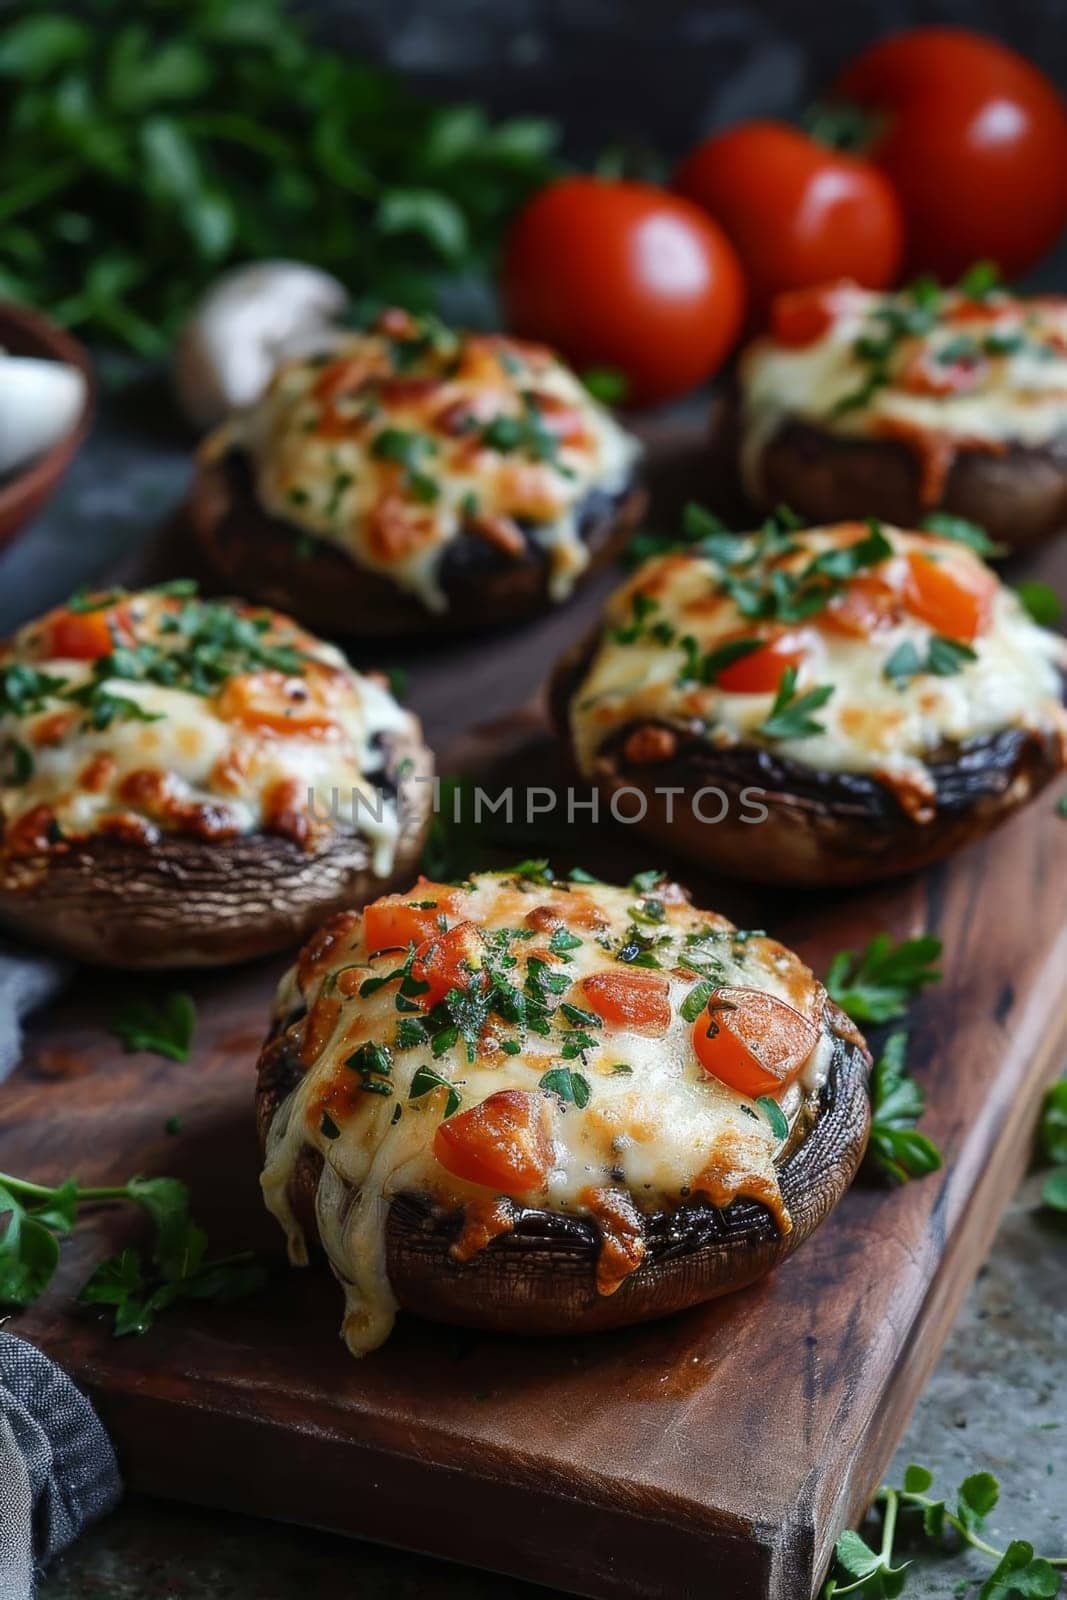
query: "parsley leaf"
946, 526
877, 985
137, 1288
426, 1080
897, 1103
569, 1085
165, 1029
1041, 601
790, 715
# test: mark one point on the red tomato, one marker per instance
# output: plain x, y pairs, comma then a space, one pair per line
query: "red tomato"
451, 960
86, 635
762, 670
397, 920
924, 374
797, 212
801, 316
752, 1041
974, 140
632, 998
953, 600
503, 1143
627, 276
865, 606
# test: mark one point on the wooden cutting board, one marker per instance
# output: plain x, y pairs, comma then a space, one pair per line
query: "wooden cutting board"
727, 1446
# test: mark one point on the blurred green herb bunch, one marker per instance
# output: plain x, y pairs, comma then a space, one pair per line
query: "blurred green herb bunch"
147, 144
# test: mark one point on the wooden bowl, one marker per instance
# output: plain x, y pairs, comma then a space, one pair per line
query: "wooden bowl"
27, 333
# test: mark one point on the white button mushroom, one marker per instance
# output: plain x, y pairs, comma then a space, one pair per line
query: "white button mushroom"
243, 326
40, 401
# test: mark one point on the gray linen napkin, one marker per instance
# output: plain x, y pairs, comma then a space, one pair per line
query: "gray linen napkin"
26, 981
57, 1468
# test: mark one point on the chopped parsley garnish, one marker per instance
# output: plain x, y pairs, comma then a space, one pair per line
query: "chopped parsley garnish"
408, 450
374, 1065
526, 432
944, 658
791, 714
569, 1085
426, 1080
775, 1116
696, 1000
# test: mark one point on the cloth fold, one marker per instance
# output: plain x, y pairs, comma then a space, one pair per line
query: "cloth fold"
27, 979
57, 1469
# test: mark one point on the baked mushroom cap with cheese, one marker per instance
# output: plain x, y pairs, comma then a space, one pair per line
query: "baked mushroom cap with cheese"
192, 783
412, 479
814, 706
899, 405
551, 1106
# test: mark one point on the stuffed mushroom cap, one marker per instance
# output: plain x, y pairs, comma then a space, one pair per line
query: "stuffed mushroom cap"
448, 477
879, 695
545, 1106
908, 403
189, 782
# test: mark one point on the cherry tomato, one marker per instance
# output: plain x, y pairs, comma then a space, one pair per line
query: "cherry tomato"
974, 140
503, 1143
86, 635
797, 212
627, 276
397, 920
801, 316
451, 960
762, 670
953, 600
924, 374
273, 702
752, 1041
867, 605
632, 998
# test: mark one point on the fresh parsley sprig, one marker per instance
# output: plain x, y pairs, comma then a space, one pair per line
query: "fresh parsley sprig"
1052, 1146
136, 1285
896, 1148
878, 984
876, 1574
165, 1029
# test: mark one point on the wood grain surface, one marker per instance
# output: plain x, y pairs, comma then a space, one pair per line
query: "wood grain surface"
717, 1452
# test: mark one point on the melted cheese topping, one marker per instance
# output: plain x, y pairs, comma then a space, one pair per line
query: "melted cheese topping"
203, 718
984, 372
655, 1130
872, 722
400, 441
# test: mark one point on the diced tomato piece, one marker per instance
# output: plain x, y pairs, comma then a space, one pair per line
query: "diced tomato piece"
865, 606
953, 599
273, 702
925, 374
397, 920
503, 1143
801, 316
632, 998
762, 670
752, 1041
86, 635
451, 960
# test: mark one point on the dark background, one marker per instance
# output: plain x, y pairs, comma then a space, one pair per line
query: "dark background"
654, 71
